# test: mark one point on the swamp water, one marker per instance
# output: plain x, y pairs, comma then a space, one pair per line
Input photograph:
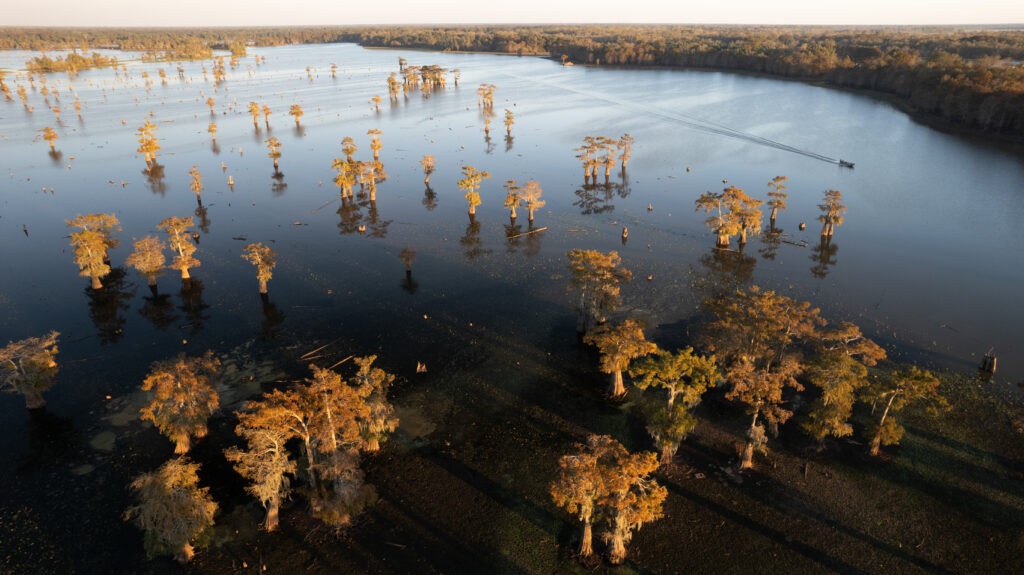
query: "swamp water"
927, 263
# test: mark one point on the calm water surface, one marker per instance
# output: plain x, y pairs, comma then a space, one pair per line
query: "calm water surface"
928, 261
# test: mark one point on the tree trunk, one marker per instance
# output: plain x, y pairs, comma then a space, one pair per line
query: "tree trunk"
272, 513
586, 544
426, 180
775, 212
617, 388
876, 443
531, 215
309, 463
52, 149
33, 398
824, 230
617, 552
275, 164
723, 240
513, 216
96, 284
151, 280
182, 444
747, 458
184, 274
472, 210
743, 236
372, 445
263, 286
185, 554
667, 453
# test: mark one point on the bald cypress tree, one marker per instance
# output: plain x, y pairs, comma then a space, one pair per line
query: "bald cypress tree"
173, 511
618, 346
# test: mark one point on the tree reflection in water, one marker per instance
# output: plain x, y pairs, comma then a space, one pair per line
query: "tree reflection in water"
824, 256
471, 242
107, 303
191, 295
272, 318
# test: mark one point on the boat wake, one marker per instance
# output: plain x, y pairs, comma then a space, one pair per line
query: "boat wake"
695, 123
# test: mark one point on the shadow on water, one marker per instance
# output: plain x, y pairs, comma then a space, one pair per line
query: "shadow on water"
53, 440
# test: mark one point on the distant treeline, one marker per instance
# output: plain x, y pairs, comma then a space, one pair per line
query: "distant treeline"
972, 78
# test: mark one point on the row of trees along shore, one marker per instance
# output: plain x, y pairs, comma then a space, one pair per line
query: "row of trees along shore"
970, 78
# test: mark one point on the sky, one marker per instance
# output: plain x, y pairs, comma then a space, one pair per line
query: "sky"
342, 12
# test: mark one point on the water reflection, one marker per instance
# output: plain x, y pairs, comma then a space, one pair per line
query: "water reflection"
823, 255
770, 243
594, 199
203, 222
272, 318
154, 173
375, 227
527, 241
514, 235
107, 303
191, 295
215, 148
279, 185
350, 219
158, 309
429, 199
56, 156
407, 256
725, 271
471, 242
509, 140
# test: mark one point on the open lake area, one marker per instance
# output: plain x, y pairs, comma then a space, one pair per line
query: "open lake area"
500, 265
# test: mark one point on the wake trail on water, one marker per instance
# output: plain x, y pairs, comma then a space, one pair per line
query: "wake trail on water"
689, 121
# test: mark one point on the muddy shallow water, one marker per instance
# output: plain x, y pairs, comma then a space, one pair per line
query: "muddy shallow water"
927, 261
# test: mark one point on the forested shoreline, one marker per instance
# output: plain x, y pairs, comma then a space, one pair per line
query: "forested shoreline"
969, 78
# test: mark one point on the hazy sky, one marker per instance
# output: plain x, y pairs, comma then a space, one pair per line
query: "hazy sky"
299, 12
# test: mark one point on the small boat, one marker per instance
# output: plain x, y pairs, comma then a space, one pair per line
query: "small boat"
845, 164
